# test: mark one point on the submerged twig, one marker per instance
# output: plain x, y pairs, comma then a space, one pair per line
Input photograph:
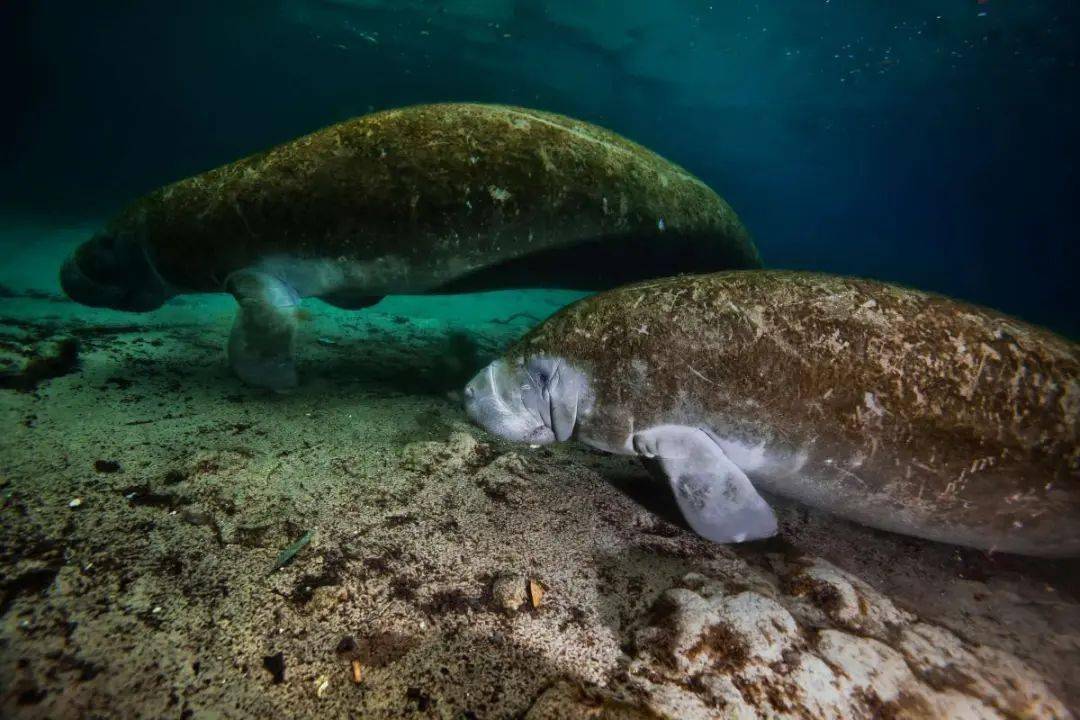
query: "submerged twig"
288, 554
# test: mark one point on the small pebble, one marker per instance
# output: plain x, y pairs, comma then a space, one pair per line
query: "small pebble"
509, 591
346, 644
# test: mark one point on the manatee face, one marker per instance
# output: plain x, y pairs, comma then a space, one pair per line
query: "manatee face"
113, 272
534, 400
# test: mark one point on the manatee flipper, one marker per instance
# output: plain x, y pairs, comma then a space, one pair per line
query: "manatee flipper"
349, 300
263, 335
714, 495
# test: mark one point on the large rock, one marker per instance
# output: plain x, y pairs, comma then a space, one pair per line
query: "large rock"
828, 646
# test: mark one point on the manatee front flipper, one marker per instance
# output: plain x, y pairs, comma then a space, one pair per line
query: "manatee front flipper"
262, 338
715, 496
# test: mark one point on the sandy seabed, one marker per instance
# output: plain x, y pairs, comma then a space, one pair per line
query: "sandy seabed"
147, 495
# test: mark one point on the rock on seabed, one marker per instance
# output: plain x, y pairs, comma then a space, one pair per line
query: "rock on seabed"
826, 646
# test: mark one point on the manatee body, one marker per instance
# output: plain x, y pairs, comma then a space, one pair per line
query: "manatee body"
899, 409
425, 199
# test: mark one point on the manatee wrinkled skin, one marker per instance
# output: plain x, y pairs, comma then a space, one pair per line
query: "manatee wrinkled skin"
431, 198
899, 409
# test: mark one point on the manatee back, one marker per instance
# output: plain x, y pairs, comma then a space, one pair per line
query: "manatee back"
464, 196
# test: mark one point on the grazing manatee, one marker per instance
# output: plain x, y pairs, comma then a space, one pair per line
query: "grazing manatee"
895, 408
426, 199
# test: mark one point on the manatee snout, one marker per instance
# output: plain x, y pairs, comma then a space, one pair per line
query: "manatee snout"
499, 399
111, 272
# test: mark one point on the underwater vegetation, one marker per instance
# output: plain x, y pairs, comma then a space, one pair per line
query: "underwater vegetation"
674, 360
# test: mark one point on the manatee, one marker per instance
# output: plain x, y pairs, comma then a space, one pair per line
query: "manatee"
427, 199
899, 409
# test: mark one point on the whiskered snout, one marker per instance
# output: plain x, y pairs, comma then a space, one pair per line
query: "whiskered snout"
495, 400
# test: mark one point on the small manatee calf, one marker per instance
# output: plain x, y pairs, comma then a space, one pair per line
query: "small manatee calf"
426, 199
899, 409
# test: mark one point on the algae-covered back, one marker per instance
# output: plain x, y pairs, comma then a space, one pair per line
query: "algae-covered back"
462, 185
933, 354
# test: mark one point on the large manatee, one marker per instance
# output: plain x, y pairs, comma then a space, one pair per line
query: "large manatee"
899, 409
425, 199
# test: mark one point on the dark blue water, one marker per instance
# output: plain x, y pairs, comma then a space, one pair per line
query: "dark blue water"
932, 142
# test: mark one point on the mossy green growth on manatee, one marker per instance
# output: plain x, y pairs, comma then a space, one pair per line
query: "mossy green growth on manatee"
449, 189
